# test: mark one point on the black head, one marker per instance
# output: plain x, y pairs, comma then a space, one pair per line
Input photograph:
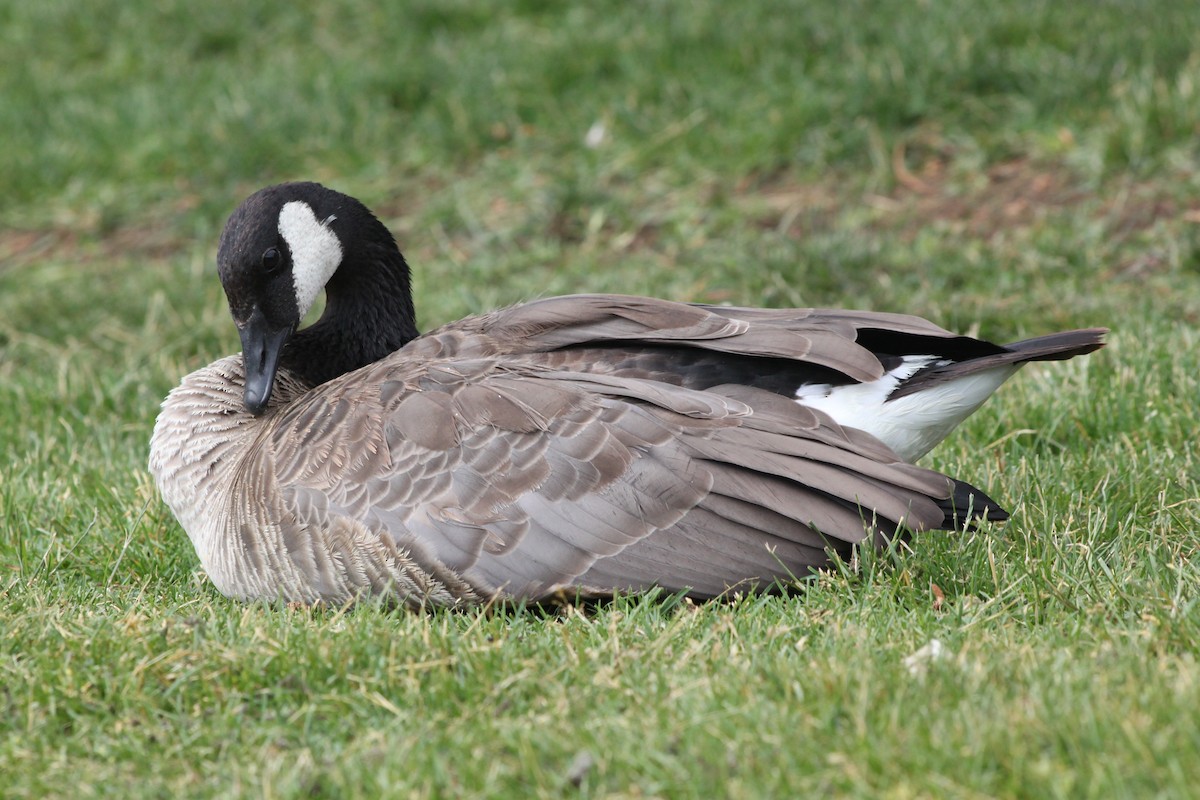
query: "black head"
278, 251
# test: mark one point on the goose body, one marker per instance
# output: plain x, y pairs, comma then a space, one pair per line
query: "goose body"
590, 443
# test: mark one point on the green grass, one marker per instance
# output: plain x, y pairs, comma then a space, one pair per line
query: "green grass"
1011, 170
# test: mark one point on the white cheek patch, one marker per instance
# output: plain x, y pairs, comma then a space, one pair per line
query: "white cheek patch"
316, 251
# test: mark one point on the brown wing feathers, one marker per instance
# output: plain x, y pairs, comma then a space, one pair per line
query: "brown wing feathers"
522, 479
588, 442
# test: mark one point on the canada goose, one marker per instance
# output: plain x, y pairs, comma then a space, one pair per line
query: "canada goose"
589, 444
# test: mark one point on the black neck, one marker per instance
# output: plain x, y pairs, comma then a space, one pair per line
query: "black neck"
368, 314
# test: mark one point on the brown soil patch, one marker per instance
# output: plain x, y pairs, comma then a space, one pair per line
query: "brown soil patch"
1007, 196
18, 247
1010, 194
925, 190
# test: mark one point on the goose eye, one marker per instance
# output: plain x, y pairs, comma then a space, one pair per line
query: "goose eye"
272, 260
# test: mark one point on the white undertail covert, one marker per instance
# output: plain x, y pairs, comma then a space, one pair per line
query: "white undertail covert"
913, 424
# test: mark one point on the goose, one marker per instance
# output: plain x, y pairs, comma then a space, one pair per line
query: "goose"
588, 444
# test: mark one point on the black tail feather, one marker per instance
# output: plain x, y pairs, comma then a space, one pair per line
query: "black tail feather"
966, 506
1059, 346
1052, 347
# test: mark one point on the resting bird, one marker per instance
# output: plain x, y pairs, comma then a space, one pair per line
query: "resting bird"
587, 444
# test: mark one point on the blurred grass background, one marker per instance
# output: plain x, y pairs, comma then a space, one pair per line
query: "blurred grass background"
1005, 170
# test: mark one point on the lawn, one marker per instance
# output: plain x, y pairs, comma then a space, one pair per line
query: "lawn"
1005, 170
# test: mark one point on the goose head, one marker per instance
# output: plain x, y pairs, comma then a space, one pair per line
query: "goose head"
279, 250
